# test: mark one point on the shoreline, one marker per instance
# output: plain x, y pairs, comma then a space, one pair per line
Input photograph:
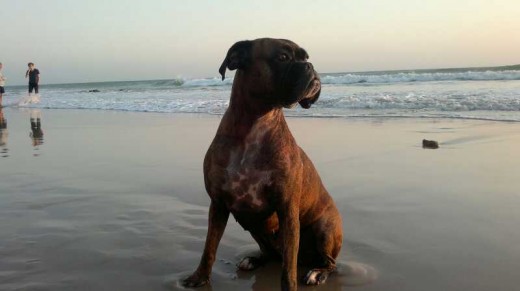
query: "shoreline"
288, 115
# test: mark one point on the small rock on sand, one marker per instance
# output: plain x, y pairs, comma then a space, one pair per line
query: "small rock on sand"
430, 144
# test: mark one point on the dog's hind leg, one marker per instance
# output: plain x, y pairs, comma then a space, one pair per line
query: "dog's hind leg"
267, 240
328, 240
249, 263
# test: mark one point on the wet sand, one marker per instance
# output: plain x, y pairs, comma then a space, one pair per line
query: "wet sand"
116, 201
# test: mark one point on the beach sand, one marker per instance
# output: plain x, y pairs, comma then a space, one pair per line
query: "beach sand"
116, 201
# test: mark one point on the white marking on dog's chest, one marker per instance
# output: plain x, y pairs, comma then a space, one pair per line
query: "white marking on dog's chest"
244, 181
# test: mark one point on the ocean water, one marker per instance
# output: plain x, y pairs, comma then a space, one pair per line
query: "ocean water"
466, 93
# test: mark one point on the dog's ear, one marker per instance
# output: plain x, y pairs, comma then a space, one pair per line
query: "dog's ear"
238, 57
307, 102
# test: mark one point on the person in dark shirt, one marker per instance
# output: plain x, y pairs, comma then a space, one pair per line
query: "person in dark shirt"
34, 78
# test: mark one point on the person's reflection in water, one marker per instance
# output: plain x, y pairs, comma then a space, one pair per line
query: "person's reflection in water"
36, 130
4, 151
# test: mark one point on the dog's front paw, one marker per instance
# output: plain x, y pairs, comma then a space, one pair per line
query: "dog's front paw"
195, 280
249, 263
316, 277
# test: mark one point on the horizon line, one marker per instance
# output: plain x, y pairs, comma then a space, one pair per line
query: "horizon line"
503, 67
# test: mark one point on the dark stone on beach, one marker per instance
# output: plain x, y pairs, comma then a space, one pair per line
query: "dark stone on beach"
94, 91
429, 144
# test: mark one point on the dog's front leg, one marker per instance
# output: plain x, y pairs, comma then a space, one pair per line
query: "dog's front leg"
290, 230
218, 217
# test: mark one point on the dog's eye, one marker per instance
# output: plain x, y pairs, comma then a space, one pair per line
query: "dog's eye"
283, 57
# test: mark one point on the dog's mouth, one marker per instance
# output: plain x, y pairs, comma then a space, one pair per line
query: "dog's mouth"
313, 88
311, 91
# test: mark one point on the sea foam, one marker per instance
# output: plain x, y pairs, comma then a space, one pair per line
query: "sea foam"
483, 94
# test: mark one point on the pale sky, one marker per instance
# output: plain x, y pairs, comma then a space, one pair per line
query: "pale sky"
109, 40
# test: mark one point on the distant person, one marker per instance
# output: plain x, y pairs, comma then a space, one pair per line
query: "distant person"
34, 78
2, 84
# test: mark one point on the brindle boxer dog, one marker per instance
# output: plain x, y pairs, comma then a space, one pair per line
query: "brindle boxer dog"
255, 170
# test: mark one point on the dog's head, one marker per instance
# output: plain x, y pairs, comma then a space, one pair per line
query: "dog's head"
273, 71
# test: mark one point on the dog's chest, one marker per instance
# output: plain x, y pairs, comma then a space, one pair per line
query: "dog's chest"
246, 177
